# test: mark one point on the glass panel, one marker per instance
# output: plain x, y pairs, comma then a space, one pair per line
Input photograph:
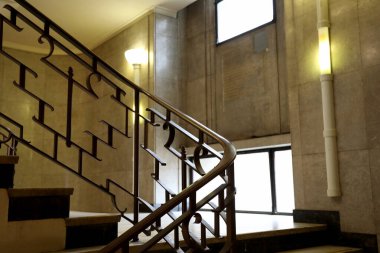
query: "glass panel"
284, 181
239, 16
207, 165
252, 179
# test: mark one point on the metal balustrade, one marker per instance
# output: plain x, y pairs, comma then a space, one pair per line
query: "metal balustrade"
159, 114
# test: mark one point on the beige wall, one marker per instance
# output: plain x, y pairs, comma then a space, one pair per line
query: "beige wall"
233, 88
35, 171
355, 57
242, 92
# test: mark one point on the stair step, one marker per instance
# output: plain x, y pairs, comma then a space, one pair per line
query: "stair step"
85, 229
39, 203
325, 249
7, 170
8, 159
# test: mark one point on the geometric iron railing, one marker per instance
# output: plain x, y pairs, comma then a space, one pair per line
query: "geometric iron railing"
157, 114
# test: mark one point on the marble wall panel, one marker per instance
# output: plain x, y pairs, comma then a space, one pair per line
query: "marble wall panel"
371, 79
345, 42
368, 14
349, 108
356, 205
311, 121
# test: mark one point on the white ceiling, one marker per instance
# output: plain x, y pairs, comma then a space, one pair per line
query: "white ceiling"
93, 21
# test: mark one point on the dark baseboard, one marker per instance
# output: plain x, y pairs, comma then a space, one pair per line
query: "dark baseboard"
368, 242
330, 218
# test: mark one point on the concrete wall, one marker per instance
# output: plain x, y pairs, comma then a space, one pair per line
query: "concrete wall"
234, 88
35, 171
355, 61
242, 91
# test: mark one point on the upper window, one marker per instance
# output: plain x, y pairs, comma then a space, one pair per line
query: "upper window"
235, 17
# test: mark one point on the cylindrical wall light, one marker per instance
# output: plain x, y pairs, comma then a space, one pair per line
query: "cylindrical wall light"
329, 132
324, 51
136, 57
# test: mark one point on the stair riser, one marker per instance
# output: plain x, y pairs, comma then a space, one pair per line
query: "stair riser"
90, 235
37, 208
7, 172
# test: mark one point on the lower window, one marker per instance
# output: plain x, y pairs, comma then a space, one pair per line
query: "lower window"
263, 180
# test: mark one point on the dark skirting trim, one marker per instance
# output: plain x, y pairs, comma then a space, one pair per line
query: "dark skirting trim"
368, 242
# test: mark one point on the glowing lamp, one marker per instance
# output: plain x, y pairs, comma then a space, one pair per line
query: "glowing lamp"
136, 56
324, 51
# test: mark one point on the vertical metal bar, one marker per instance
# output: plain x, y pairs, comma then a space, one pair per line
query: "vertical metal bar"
118, 94
203, 236
110, 135
176, 238
272, 181
126, 121
55, 152
231, 216
69, 106
136, 164
80, 161
41, 111
193, 202
183, 176
156, 169
1, 33
146, 133
216, 224
22, 76
94, 146
13, 17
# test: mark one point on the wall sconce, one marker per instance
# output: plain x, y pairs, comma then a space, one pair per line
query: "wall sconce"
136, 57
328, 107
324, 51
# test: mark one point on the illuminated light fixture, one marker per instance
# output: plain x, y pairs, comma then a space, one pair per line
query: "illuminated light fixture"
324, 51
136, 56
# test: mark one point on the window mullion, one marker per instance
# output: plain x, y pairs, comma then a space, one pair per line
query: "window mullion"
272, 181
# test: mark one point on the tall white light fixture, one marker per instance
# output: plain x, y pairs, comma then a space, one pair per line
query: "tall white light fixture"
329, 132
136, 57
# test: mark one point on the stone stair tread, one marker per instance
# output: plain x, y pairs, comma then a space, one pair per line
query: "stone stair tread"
77, 218
325, 249
39, 192
8, 159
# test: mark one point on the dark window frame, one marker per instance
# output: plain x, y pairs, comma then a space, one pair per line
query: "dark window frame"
271, 159
244, 33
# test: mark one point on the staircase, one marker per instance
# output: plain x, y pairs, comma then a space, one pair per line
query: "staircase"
39, 219
143, 113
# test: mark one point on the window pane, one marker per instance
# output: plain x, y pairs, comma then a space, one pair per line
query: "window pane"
239, 16
284, 181
252, 179
207, 165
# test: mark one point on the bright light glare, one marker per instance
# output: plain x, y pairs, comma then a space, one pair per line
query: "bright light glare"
284, 181
324, 51
239, 16
136, 56
252, 177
